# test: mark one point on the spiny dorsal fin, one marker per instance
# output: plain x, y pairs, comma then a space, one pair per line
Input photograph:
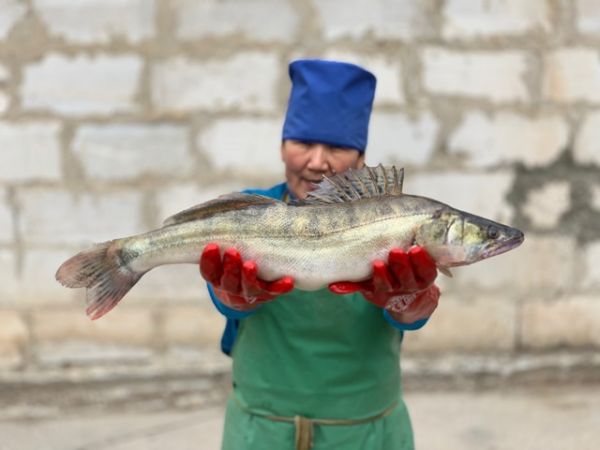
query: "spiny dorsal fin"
228, 202
353, 185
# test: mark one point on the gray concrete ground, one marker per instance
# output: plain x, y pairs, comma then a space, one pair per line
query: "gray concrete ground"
550, 418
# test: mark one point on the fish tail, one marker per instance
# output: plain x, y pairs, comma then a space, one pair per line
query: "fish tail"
102, 271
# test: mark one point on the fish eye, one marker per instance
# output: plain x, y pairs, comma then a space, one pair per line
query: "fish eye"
492, 232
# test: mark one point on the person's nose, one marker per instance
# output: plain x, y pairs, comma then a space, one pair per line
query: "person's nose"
318, 160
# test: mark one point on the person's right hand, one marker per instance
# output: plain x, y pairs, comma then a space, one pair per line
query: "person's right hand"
235, 282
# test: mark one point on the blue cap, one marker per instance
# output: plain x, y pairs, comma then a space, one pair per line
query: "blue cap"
330, 103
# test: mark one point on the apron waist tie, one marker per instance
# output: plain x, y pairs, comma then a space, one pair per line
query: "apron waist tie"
304, 425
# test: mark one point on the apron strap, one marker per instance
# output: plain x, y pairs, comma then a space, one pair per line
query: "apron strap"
304, 433
304, 426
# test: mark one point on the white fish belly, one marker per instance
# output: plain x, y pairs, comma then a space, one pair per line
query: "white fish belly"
314, 263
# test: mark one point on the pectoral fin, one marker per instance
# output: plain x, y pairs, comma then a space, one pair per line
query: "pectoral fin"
445, 271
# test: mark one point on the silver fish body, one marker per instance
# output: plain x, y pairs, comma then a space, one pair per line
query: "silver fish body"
315, 245
351, 220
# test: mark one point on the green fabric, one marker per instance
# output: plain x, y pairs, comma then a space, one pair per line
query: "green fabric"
318, 355
245, 431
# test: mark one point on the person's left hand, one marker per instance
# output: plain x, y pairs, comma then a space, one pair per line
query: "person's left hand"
404, 285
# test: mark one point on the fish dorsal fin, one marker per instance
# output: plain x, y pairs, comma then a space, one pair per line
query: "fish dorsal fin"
228, 202
356, 184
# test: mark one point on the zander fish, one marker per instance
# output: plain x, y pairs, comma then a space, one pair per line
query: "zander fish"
334, 234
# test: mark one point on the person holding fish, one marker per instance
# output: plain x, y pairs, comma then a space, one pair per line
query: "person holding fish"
319, 369
333, 275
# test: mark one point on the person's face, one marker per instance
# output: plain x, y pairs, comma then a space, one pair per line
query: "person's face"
307, 162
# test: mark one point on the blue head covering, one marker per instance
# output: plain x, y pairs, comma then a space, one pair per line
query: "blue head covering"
330, 103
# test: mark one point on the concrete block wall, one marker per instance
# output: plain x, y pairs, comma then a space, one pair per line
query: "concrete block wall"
116, 114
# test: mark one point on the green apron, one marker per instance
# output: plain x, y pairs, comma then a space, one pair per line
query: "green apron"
316, 355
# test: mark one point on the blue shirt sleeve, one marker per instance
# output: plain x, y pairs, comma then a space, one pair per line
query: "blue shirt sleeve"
232, 323
224, 309
404, 326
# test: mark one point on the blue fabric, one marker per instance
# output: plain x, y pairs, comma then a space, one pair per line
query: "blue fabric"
330, 102
233, 316
404, 326
224, 309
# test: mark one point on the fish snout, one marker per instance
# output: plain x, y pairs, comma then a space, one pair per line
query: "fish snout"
510, 239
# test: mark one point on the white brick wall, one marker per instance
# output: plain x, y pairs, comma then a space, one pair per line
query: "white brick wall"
483, 194
587, 141
11, 11
214, 18
4, 73
117, 112
497, 76
546, 205
128, 151
78, 353
38, 284
389, 89
596, 196
245, 82
572, 321
396, 138
386, 19
486, 323
541, 264
9, 288
591, 278
83, 85
507, 137
29, 151
4, 96
4, 102
572, 74
98, 21
471, 18
588, 16
126, 326
54, 217
244, 144
6, 223
14, 335
193, 326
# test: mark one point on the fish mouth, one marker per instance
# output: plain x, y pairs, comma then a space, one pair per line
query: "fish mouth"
505, 245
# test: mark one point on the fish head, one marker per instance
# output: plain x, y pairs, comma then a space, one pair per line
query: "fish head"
455, 238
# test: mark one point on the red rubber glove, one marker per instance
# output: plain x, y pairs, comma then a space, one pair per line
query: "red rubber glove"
235, 282
404, 285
